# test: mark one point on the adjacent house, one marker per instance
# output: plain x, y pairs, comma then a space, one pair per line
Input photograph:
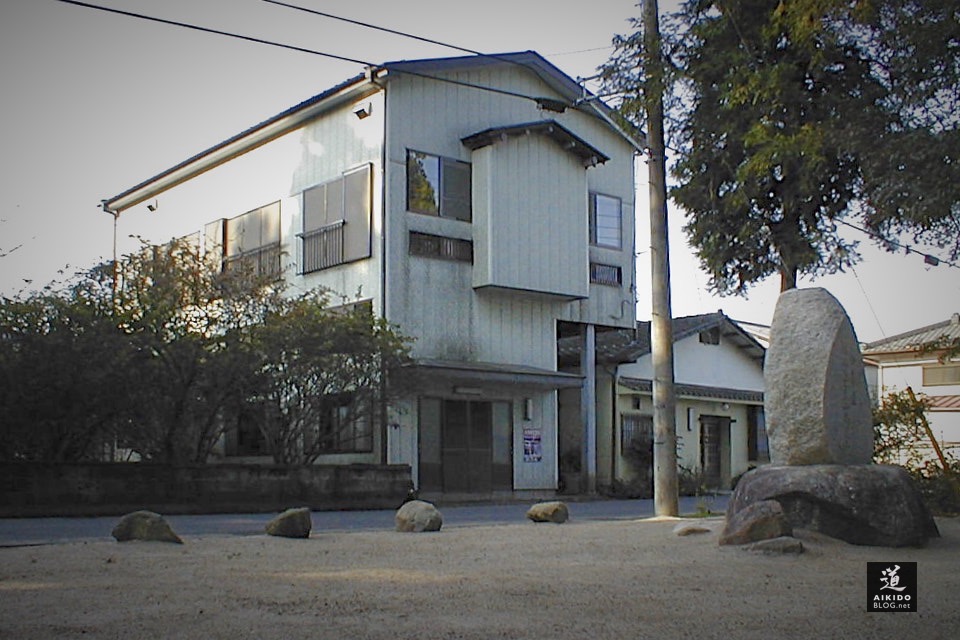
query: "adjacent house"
718, 373
919, 360
484, 205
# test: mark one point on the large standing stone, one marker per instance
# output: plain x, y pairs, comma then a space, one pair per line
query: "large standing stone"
144, 525
875, 505
292, 523
417, 516
817, 405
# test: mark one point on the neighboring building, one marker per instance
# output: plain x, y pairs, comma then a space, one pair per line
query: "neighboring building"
718, 373
904, 363
483, 204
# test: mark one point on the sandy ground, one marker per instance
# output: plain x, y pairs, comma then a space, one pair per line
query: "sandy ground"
620, 579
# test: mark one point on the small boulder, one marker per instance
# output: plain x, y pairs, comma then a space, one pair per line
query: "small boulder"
144, 525
691, 528
762, 520
292, 523
784, 545
417, 516
555, 511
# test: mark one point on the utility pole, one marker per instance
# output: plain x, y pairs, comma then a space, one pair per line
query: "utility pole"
665, 485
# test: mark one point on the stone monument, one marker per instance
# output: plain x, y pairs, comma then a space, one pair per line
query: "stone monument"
820, 429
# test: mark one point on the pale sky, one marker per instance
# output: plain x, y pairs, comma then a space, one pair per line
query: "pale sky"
94, 103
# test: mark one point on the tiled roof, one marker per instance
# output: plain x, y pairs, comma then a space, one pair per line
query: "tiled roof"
628, 346
698, 391
912, 340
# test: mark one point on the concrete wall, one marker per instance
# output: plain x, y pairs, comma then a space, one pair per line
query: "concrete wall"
28, 489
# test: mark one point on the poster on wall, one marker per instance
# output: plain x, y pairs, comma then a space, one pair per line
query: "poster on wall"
532, 446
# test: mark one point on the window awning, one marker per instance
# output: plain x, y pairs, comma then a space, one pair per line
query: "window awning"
488, 374
721, 394
590, 155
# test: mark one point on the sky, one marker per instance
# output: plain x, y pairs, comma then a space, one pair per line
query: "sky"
94, 103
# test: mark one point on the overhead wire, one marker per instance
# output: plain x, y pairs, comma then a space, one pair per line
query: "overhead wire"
550, 104
929, 259
229, 34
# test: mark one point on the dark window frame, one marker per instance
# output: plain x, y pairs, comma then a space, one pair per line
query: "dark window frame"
597, 235
447, 203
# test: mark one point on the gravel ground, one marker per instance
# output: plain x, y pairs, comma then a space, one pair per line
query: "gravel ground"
628, 578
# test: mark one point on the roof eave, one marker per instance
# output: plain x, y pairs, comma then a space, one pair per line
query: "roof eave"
246, 141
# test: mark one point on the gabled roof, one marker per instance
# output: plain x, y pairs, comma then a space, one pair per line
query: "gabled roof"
628, 346
913, 340
572, 94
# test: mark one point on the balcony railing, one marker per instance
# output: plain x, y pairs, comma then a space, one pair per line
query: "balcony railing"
262, 262
323, 247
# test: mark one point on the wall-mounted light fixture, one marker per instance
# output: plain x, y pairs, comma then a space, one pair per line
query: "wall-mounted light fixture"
363, 110
528, 409
468, 391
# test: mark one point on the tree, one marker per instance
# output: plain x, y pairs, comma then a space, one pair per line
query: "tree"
64, 381
791, 117
323, 375
186, 320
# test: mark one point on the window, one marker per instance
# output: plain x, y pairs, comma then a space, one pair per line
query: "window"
345, 427
430, 246
438, 186
758, 447
636, 432
252, 241
710, 336
941, 374
336, 221
607, 274
605, 221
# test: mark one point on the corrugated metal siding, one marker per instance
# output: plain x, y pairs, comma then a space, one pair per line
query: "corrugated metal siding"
533, 239
435, 300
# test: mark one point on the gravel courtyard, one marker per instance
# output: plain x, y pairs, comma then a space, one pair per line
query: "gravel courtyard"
629, 579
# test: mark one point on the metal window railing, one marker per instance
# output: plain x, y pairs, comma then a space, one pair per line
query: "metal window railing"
263, 261
322, 247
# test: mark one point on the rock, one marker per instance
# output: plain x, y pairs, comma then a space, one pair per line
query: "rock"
777, 546
417, 516
144, 525
761, 520
555, 511
816, 402
874, 505
691, 528
292, 523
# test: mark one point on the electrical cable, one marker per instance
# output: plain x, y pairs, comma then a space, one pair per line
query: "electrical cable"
550, 104
229, 34
932, 260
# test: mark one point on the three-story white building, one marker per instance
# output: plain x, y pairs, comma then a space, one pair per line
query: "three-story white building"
483, 204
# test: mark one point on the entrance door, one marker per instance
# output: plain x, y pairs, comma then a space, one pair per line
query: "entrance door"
465, 446
467, 442
714, 430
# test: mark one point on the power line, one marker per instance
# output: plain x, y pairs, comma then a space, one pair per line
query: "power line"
551, 104
929, 259
547, 103
373, 26
228, 34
